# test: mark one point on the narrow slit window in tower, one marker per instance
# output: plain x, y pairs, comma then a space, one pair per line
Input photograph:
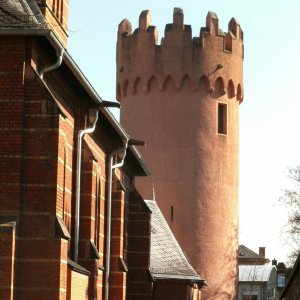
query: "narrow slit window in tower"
172, 213
222, 118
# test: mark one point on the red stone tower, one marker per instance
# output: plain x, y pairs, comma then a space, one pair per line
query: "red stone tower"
182, 97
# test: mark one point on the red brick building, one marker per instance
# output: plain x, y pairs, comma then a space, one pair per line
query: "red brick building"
72, 224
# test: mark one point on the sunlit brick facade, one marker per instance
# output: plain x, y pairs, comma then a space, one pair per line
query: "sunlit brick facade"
45, 101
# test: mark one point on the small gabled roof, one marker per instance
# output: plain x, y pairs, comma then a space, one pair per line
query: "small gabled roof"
167, 260
245, 252
255, 273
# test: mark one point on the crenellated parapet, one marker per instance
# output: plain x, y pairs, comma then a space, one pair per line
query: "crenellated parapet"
213, 60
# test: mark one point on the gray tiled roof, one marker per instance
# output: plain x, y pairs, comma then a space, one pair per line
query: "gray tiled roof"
20, 14
254, 273
167, 260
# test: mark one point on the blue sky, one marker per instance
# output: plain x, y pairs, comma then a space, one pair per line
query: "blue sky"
270, 113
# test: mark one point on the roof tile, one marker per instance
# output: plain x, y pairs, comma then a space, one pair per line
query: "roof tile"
167, 260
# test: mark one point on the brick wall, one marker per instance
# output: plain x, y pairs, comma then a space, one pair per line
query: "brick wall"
175, 290
7, 260
38, 133
139, 285
12, 54
118, 273
78, 286
36, 154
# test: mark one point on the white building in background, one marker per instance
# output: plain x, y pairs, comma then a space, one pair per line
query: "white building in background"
257, 282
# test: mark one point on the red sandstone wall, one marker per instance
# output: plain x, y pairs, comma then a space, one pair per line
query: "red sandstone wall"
170, 95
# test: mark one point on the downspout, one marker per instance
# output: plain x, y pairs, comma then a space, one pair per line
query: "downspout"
60, 53
109, 199
78, 180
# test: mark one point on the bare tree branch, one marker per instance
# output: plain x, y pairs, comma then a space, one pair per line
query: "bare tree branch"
290, 198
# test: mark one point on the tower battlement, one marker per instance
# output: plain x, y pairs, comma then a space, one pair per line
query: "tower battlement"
182, 97
210, 58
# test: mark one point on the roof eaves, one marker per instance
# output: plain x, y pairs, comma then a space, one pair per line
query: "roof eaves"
76, 267
141, 161
191, 279
68, 60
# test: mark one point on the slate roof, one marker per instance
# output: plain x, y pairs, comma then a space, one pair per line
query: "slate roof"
167, 260
20, 14
257, 273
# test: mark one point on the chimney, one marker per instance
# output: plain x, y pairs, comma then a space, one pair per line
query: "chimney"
262, 252
55, 13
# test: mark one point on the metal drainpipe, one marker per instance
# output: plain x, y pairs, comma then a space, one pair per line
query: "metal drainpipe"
78, 180
60, 54
108, 231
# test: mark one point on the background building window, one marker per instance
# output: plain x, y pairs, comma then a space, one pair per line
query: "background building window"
281, 280
250, 297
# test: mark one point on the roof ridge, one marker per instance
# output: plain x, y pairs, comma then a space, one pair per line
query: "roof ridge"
248, 249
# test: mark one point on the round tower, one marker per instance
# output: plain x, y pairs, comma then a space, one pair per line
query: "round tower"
182, 97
